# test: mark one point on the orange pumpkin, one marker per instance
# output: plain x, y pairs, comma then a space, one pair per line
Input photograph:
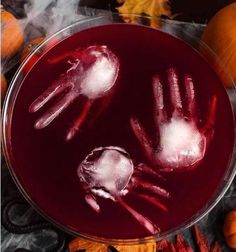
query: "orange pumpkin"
80, 244
30, 47
220, 36
11, 34
230, 229
3, 86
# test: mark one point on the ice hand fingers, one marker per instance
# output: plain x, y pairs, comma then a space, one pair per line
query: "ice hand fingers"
189, 87
211, 115
145, 222
54, 111
159, 112
142, 138
175, 91
152, 200
78, 122
140, 183
145, 169
91, 201
55, 89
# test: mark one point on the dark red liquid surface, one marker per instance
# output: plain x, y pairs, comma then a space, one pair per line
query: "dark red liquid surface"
46, 165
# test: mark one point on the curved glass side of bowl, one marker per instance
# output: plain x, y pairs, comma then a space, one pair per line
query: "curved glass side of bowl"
189, 33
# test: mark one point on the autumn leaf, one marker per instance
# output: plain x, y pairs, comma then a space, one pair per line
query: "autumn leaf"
200, 239
146, 247
165, 246
90, 246
215, 247
182, 245
153, 8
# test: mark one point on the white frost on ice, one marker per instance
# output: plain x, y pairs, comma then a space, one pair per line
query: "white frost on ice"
107, 175
181, 143
99, 78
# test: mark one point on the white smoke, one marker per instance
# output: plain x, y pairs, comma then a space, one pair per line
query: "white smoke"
49, 16
43, 18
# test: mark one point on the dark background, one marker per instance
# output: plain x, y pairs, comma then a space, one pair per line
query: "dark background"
188, 10
199, 11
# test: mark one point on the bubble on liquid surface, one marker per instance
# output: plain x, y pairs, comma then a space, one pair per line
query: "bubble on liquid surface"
106, 168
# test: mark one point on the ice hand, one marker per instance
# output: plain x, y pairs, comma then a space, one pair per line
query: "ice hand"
109, 173
92, 74
182, 140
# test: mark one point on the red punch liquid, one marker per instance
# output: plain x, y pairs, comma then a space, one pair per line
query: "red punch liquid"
46, 165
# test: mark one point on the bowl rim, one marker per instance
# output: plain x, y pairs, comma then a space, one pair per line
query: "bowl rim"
7, 111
